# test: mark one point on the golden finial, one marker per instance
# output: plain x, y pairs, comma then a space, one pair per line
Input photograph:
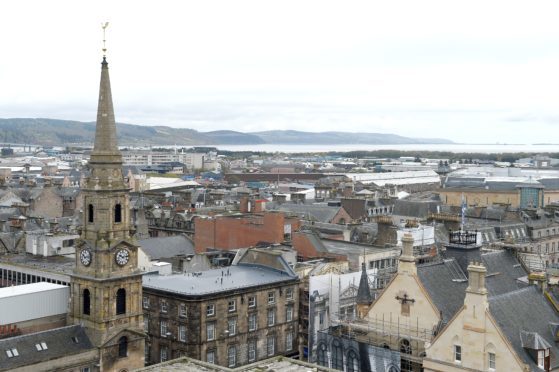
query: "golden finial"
104, 27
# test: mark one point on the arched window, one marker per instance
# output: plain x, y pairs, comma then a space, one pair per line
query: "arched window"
322, 356
118, 213
352, 362
337, 355
86, 302
123, 347
121, 301
90, 213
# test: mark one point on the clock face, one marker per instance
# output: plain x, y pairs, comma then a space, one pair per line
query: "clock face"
122, 256
85, 257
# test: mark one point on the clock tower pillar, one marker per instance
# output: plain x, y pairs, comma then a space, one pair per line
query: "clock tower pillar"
106, 285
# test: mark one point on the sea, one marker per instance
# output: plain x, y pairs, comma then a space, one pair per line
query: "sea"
452, 147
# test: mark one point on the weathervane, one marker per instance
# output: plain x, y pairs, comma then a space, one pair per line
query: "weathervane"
104, 27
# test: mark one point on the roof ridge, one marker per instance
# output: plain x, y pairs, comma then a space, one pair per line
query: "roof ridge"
516, 291
40, 332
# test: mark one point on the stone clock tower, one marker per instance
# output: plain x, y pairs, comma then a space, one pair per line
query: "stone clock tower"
107, 284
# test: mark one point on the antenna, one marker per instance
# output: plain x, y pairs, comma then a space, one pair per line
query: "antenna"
104, 27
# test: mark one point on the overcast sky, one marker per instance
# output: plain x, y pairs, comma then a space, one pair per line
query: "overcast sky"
470, 71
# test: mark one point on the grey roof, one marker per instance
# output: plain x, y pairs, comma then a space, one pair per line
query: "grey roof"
411, 208
503, 272
446, 282
59, 344
526, 310
217, 280
532, 340
167, 247
550, 183
321, 213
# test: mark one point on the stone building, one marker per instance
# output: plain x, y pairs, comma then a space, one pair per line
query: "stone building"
106, 285
228, 316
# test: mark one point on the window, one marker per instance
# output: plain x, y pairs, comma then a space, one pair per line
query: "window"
85, 369
182, 333
12, 353
146, 352
123, 347
210, 310
231, 306
289, 314
145, 301
41, 346
210, 356
542, 356
210, 331
231, 356
289, 293
86, 302
118, 213
252, 322
492, 361
271, 297
146, 324
121, 301
163, 354
252, 301
321, 318
322, 355
163, 328
90, 213
457, 353
289, 341
271, 317
405, 347
337, 355
352, 362
182, 310
252, 350
232, 326
163, 306
271, 345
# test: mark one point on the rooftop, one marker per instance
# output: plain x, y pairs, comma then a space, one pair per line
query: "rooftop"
56, 264
274, 364
217, 280
19, 290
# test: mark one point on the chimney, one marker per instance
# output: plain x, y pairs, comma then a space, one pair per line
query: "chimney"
407, 260
475, 302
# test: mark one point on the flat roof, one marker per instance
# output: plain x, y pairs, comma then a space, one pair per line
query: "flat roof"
61, 265
216, 280
24, 289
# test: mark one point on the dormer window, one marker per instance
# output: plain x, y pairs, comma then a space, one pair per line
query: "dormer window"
537, 347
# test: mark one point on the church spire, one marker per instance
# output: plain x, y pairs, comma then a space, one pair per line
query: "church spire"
105, 132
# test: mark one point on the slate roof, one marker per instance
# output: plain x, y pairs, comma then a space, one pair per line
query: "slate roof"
321, 213
526, 310
167, 247
446, 282
59, 344
364, 292
411, 208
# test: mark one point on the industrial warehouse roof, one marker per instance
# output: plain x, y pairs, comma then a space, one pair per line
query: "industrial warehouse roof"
395, 178
19, 290
217, 280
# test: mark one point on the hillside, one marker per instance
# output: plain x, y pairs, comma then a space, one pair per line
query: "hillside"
53, 132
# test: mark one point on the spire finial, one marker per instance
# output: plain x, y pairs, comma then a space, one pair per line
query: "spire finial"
104, 27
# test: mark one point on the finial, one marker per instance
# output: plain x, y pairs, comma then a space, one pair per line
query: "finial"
104, 27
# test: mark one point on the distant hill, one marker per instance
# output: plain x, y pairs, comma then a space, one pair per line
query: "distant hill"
53, 132
327, 138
